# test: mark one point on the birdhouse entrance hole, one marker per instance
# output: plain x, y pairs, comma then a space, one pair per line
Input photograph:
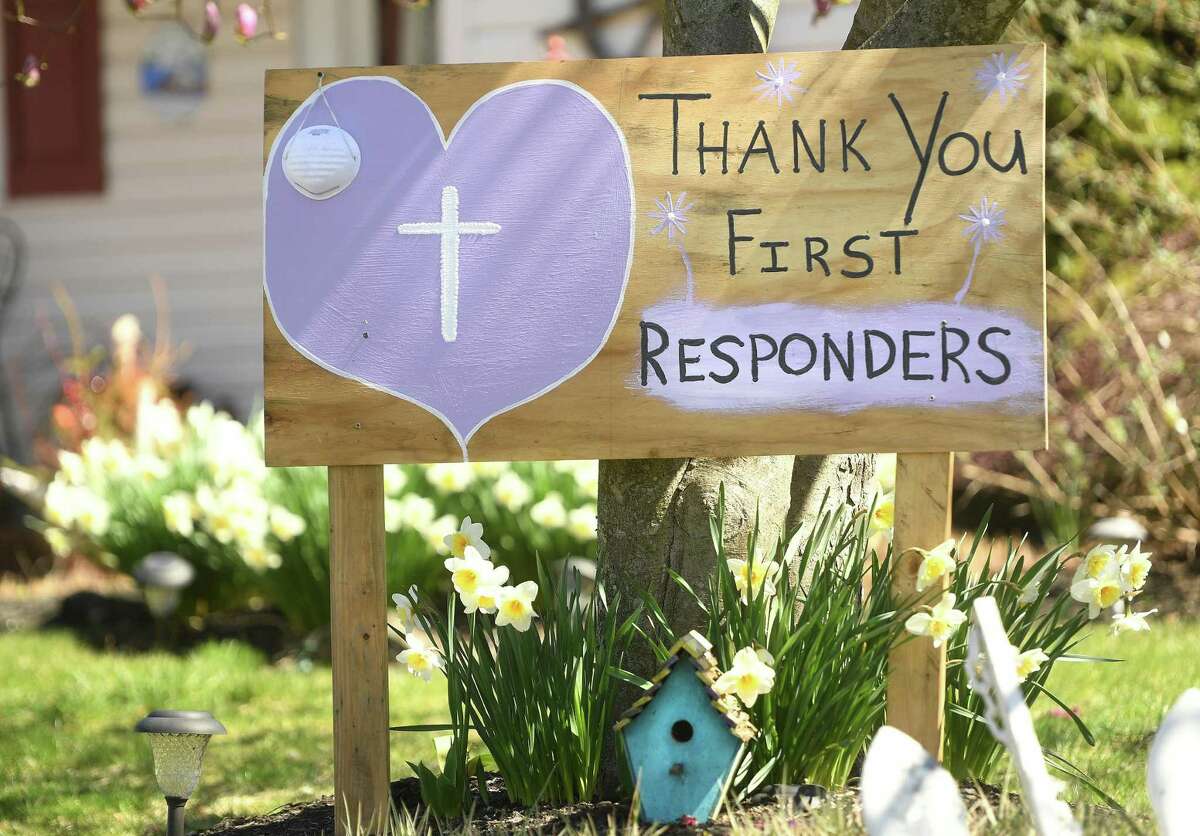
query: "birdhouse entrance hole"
681, 731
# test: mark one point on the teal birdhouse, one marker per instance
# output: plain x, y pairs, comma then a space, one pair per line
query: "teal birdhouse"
682, 739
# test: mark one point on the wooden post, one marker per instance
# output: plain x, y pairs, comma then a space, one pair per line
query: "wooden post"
916, 691
358, 603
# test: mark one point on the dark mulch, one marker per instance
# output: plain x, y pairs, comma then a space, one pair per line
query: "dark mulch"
491, 814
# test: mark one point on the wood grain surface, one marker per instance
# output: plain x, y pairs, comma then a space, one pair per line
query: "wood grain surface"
316, 416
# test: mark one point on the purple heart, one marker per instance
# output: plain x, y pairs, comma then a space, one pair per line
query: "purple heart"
539, 175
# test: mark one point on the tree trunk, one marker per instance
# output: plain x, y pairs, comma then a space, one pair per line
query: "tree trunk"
653, 514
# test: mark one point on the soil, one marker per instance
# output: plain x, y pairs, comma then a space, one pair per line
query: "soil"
495, 814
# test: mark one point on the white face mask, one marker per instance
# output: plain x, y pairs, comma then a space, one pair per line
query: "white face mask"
320, 161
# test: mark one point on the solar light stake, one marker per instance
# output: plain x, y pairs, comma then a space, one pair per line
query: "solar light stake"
177, 742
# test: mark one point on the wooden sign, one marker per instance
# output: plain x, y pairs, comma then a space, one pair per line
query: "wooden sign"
726, 255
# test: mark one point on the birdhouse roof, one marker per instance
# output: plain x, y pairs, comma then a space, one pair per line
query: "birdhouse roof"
694, 650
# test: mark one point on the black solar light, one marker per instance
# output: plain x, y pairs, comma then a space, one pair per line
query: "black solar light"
177, 742
163, 575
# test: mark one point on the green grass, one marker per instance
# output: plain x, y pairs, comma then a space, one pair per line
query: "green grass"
1122, 703
70, 763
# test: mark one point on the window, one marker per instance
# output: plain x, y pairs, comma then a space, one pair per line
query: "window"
54, 141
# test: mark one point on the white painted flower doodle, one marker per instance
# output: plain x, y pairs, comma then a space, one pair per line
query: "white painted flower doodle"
672, 218
983, 227
779, 82
1002, 75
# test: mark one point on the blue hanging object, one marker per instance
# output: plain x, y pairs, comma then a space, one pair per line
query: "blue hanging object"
681, 739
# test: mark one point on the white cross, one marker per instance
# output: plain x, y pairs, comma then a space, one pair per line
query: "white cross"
450, 228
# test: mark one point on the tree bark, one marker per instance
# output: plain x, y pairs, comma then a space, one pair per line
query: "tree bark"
887, 24
653, 514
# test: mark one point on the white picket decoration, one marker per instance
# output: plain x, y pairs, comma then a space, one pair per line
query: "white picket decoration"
906, 793
992, 669
1173, 766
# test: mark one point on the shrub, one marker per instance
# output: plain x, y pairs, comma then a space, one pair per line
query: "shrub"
195, 483
1123, 306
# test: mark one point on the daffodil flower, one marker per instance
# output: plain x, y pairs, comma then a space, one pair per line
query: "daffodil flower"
940, 623
1133, 622
285, 525
514, 606
1032, 589
1029, 662
885, 472
749, 677
468, 534
936, 563
406, 609
1135, 567
420, 658
884, 514
1100, 561
468, 572
486, 596
753, 577
177, 513
1098, 593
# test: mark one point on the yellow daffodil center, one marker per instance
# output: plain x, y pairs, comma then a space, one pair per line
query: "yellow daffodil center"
1107, 594
459, 543
514, 607
939, 628
465, 580
418, 661
1097, 562
1137, 574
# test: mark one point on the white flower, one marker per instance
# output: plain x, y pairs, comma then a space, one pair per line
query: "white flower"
1002, 75
415, 511
406, 609
394, 479
126, 331
159, 427
549, 512
671, 215
984, 222
936, 563
587, 477
391, 515
71, 466
581, 523
1135, 568
1029, 662
885, 472
469, 572
200, 417
884, 514
1099, 593
259, 558
486, 598
1100, 561
436, 532
779, 82
450, 478
750, 676
177, 511
285, 525
92, 513
58, 541
940, 623
1133, 622
420, 658
107, 458
489, 469
468, 534
755, 578
515, 606
511, 491
149, 468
